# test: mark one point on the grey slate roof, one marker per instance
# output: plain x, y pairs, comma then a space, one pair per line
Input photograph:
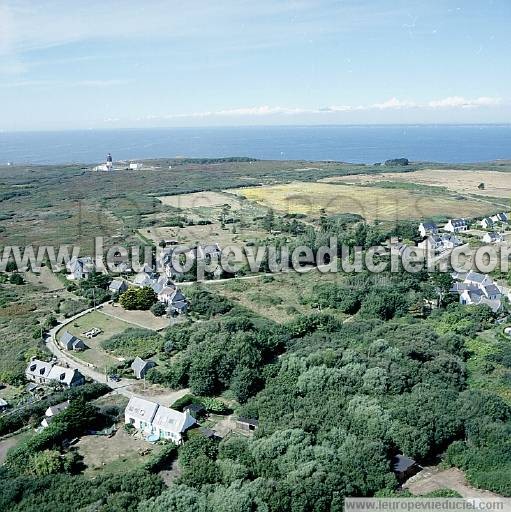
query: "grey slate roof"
475, 277
70, 342
139, 366
402, 463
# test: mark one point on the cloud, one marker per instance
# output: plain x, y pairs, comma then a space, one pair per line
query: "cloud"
460, 102
452, 102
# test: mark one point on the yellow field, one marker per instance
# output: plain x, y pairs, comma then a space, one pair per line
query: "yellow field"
496, 184
370, 202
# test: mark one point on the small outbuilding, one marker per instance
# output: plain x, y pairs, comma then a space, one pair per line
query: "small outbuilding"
70, 342
141, 367
404, 467
118, 286
247, 424
196, 410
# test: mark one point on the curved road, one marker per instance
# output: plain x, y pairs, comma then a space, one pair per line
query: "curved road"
92, 373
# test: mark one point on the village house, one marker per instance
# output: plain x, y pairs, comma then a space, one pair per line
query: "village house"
456, 225
80, 268
476, 288
209, 252
171, 424
486, 223
141, 367
428, 228
156, 420
500, 217
42, 372
145, 278
493, 238
52, 411
118, 286
439, 243
70, 342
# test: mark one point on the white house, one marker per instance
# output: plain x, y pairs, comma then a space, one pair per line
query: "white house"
172, 424
155, 419
477, 288
135, 166
439, 243
80, 268
428, 228
486, 223
140, 414
456, 225
493, 238
42, 372
52, 411
500, 217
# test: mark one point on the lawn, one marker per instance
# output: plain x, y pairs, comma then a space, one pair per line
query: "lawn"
95, 354
372, 203
114, 455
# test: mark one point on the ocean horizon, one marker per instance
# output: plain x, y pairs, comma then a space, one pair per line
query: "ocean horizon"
347, 143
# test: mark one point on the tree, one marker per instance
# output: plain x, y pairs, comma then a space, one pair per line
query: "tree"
16, 278
129, 299
146, 298
138, 298
158, 309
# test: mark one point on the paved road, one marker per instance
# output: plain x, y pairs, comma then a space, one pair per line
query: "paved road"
123, 386
92, 373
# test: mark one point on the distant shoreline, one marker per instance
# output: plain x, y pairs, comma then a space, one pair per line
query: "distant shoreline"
363, 144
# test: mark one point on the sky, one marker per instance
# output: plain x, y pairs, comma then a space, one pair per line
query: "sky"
155, 63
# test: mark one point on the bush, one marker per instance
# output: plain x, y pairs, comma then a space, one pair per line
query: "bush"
134, 342
158, 309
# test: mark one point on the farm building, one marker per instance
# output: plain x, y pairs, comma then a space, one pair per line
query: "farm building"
52, 411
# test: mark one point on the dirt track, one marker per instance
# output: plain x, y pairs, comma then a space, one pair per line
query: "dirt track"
431, 479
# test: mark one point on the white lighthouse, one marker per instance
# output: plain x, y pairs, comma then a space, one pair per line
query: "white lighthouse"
109, 162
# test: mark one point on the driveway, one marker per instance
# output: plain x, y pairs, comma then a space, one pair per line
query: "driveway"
432, 478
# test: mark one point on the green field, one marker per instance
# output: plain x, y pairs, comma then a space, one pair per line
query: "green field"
94, 353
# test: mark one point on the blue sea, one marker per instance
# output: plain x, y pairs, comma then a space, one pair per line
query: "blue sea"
362, 144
